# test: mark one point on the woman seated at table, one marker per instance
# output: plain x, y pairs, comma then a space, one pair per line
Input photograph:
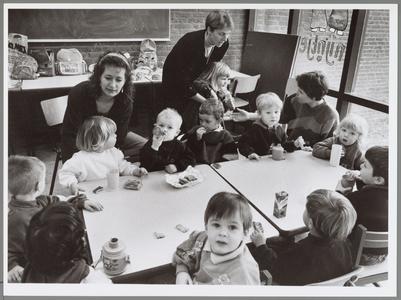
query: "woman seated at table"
110, 93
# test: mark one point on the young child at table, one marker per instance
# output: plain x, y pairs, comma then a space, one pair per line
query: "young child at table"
371, 200
26, 183
350, 134
219, 254
212, 83
209, 141
55, 246
266, 132
324, 254
164, 151
97, 156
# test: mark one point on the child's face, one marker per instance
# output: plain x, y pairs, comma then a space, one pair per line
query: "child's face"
170, 127
348, 136
222, 82
112, 80
306, 218
270, 115
209, 122
367, 173
303, 97
225, 234
110, 142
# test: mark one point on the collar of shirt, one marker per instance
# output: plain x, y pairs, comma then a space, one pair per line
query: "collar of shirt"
216, 258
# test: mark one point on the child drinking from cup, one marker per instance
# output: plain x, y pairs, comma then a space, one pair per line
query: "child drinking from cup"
266, 132
209, 141
97, 156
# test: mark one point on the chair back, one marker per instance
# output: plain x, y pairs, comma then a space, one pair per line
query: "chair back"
348, 279
244, 85
291, 87
54, 109
376, 239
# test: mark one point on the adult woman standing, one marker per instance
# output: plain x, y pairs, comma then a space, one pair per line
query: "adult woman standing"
189, 57
109, 92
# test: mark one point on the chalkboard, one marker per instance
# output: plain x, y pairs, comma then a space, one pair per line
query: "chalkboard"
83, 25
273, 56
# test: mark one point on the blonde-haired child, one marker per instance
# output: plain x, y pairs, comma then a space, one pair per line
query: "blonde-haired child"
97, 156
266, 132
212, 83
351, 133
324, 254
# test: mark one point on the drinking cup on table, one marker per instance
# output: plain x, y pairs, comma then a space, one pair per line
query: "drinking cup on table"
335, 155
347, 182
113, 179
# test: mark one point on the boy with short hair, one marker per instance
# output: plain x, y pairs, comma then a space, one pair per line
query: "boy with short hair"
219, 254
26, 182
371, 200
324, 254
209, 141
266, 132
164, 151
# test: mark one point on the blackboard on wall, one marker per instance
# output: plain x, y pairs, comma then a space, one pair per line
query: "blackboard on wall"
273, 56
85, 25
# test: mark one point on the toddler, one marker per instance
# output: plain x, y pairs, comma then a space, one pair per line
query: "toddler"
351, 132
55, 246
266, 132
26, 183
371, 200
209, 141
97, 156
219, 255
212, 83
164, 151
324, 254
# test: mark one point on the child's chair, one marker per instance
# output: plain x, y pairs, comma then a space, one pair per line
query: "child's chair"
53, 110
244, 85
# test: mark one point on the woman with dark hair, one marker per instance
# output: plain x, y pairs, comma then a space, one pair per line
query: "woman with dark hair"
110, 93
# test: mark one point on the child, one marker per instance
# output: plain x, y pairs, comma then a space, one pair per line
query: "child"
324, 254
95, 140
209, 141
212, 83
371, 201
219, 255
266, 131
164, 151
352, 131
54, 247
26, 182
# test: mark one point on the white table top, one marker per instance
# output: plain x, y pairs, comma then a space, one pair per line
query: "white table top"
134, 216
299, 174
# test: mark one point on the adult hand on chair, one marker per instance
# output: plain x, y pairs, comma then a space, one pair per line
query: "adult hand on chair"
240, 115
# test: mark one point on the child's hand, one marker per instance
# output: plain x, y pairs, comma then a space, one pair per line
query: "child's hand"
343, 190
200, 132
253, 156
92, 206
299, 142
15, 274
140, 172
353, 175
241, 115
258, 238
74, 189
183, 278
157, 141
171, 169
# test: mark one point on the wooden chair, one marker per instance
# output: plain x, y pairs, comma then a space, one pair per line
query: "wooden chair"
53, 110
244, 85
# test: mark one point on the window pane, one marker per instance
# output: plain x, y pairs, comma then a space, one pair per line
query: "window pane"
272, 20
324, 36
372, 77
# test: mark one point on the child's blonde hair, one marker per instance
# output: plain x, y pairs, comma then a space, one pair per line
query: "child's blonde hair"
24, 173
332, 214
268, 100
212, 107
94, 133
213, 71
170, 113
356, 123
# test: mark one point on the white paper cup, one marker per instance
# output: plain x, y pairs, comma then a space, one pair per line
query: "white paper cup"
335, 155
113, 180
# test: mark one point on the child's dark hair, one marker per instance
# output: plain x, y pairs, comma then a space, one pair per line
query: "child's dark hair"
54, 239
314, 84
378, 158
212, 107
332, 214
225, 204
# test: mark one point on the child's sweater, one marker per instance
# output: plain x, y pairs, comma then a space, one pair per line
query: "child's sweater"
352, 159
172, 152
19, 215
194, 256
259, 138
92, 166
312, 259
212, 146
